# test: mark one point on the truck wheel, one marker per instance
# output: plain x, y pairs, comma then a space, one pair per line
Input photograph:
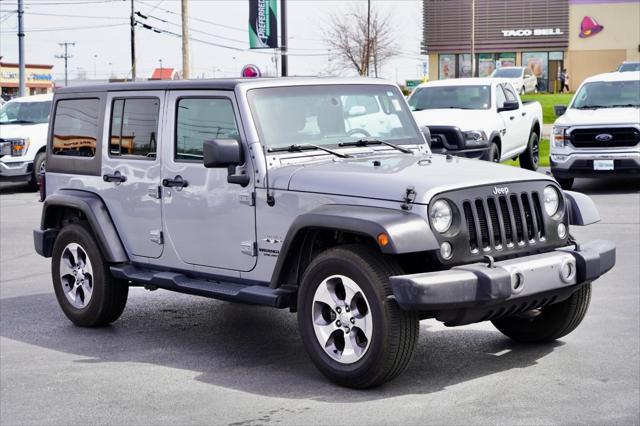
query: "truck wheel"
494, 153
38, 169
354, 332
523, 90
565, 183
548, 323
530, 157
87, 293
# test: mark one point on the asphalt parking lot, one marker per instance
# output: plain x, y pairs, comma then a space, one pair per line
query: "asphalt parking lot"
176, 359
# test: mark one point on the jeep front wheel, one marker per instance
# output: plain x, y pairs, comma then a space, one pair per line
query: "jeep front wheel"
87, 293
354, 332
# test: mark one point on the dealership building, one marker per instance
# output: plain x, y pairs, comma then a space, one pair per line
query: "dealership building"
586, 37
38, 79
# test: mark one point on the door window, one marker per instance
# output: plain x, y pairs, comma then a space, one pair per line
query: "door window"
201, 119
75, 128
500, 98
510, 93
134, 127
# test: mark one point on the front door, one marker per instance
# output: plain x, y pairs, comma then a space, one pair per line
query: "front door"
210, 222
131, 170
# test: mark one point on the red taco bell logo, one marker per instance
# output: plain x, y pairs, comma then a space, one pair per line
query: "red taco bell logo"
589, 27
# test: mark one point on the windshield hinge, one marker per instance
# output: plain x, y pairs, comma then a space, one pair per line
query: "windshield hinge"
409, 198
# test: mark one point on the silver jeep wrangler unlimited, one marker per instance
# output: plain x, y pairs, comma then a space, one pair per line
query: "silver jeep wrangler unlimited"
317, 195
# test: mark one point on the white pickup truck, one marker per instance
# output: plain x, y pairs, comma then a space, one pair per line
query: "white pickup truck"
479, 118
599, 134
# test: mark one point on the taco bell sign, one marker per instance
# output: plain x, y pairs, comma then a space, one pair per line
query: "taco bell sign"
532, 32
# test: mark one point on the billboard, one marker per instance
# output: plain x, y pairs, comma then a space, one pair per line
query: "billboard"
263, 24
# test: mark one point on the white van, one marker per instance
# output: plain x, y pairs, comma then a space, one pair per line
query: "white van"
23, 137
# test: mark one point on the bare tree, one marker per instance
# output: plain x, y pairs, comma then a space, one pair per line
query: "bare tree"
351, 48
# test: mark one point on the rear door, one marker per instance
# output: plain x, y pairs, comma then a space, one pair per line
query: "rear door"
131, 170
209, 221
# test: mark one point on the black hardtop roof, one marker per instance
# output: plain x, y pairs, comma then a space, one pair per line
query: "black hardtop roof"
202, 84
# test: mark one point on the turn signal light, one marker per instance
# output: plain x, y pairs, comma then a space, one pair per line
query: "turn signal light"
383, 239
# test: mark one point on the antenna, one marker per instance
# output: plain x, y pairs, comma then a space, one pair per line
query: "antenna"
271, 201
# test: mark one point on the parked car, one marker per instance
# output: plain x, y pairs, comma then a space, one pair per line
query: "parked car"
599, 133
629, 66
479, 118
254, 191
23, 138
522, 78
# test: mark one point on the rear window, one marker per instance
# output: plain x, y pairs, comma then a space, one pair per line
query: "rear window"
75, 129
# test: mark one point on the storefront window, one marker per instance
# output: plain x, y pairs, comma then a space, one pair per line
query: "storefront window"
538, 63
486, 64
464, 65
506, 60
447, 67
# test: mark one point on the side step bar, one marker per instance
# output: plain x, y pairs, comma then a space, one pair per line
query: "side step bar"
232, 292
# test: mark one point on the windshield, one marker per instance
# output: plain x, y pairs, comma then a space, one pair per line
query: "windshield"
25, 112
632, 66
461, 97
608, 94
508, 73
331, 114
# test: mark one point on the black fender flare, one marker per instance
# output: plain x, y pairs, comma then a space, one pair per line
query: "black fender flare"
533, 126
96, 213
407, 232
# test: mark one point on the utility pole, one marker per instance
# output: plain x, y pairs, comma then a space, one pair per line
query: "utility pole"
133, 42
473, 38
22, 87
185, 39
66, 56
284, 63
368, 54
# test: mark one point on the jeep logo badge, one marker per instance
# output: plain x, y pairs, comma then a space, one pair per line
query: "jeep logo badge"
604, 137
500, 191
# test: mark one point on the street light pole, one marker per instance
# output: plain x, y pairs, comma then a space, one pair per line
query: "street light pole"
22, 87
133, 42
473, 38
284, 62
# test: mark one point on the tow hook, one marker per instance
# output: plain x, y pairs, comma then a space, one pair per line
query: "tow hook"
490, 261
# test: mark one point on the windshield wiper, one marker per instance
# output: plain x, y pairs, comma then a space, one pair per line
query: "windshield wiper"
592, 107
307, 146
625, 106
19, 122
366, 142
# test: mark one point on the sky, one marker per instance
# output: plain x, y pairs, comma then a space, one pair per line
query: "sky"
101, 33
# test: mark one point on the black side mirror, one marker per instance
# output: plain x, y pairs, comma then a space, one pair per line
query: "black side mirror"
427, 134
509, 106
559, 109
218, 153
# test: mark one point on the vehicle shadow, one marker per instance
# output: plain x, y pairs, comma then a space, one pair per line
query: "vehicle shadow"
251, 349
608, 185
15, 188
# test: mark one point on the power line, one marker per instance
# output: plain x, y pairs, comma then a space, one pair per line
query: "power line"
66, 56
77, 16
147, 16
89, 27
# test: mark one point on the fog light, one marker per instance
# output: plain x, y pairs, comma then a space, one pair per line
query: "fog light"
446, 251
562, 231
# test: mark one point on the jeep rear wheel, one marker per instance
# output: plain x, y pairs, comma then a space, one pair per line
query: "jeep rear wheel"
87, 293
550, 322
354, 333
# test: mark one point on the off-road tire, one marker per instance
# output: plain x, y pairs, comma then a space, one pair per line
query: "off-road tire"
565, 183
530, 158
493, 154
109, 295
553, 322
37, 163
395, 332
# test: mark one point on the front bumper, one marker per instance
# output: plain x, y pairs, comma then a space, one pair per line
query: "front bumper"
473, 153
580, 163
470, 291
16, 171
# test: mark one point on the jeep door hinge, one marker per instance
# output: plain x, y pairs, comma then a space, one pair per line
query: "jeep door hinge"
155, 191
249, 247
409, 198
156, 236
247, 197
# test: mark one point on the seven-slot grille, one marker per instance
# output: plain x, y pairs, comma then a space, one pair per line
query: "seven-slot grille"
620, 137
512, 220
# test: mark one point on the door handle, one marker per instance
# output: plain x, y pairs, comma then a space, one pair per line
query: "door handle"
512, 117
177, 182
114, 177
524, 113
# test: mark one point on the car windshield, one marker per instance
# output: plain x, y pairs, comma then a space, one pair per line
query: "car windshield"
508, 73
459, 97
327, 115
25, 112
632, 66
609, 94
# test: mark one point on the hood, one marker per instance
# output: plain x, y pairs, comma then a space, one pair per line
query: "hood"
19, 131
428, 175
465, 119
595, 117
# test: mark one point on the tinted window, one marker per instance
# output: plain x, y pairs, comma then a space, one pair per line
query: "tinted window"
508, 73
75, 130
134, 127
442, 97
201, 119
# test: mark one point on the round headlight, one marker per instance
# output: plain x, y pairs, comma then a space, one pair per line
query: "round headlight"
551, 200
441, 216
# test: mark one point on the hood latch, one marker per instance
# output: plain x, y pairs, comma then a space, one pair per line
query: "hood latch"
409, 198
